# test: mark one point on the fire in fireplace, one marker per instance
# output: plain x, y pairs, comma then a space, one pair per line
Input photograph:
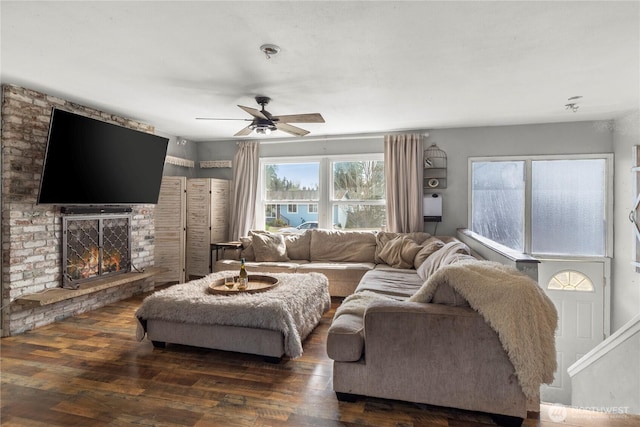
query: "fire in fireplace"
94, 246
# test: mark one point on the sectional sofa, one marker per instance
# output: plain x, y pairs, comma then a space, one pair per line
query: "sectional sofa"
422, 320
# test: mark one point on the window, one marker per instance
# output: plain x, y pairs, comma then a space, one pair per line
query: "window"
568, 207
358, 194
270, 211
553, 205
498, 202
329, 192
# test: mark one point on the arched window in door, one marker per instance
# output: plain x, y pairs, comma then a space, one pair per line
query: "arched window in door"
570, 280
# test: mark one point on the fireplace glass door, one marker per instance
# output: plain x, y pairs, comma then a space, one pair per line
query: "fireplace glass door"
94, 246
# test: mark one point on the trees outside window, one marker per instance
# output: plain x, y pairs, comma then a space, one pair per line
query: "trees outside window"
335, 192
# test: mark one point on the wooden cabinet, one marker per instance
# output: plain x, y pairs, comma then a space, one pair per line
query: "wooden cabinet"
170, 229
207, 221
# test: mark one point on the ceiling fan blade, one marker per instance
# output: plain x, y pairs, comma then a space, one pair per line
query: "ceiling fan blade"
291, 129
244, 131
215, 118
300, 118
254, 112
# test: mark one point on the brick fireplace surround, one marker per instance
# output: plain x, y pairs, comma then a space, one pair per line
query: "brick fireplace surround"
31, 233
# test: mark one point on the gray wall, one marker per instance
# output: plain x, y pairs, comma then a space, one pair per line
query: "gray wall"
219, 150
186, 150
459, 144
462, 143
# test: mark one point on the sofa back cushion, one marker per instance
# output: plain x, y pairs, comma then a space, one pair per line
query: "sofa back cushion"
298, 245
269, 247
247, 251
342, 246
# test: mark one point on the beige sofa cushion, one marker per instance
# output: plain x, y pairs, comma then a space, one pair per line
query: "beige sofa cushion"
345, 341
430, 245
446, 295
247, 251
298, 245
383, 237
451, 252
342, 246
396, 283
343, 276
269, 247
399, 252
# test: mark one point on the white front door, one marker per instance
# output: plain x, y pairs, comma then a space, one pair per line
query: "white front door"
577, 288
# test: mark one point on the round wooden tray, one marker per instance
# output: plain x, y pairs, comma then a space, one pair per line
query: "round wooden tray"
256, 283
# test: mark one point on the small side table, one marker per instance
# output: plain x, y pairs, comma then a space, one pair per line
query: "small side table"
222, 246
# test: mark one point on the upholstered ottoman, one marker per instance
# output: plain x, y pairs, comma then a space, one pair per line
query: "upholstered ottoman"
271, 323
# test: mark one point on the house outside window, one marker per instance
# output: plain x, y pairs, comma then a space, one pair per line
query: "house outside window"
345, 192
551, 205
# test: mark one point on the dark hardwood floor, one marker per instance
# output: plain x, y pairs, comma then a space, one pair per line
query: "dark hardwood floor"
89, 370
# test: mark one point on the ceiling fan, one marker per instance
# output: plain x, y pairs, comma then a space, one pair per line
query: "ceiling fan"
263, 123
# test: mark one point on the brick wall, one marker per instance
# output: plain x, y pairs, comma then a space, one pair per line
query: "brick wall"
31, 245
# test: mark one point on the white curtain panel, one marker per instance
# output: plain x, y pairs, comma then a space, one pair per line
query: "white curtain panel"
244, 189
403, 171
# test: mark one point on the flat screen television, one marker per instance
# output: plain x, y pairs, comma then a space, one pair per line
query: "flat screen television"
91, 162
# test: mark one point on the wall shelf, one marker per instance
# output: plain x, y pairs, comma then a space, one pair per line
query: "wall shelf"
54, 295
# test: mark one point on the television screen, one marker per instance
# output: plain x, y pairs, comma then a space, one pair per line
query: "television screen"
90, 162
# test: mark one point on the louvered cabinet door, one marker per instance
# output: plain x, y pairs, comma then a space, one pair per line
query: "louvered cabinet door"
219, 210
198, 226
170, 223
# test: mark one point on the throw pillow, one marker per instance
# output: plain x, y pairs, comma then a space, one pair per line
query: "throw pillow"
399, 252
383, 237
247, 251
431, 245
441, 257
269, 247
298, 245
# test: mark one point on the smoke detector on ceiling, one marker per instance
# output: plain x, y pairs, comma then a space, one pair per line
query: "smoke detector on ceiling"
270, 50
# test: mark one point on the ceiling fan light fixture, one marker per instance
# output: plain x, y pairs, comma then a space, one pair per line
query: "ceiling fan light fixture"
263, 127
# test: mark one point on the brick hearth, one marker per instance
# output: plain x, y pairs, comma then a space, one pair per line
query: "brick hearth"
31, 247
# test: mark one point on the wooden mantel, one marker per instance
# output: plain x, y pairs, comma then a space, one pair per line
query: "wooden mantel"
52, 296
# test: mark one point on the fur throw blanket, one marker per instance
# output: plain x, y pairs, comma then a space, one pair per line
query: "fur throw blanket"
515, 306
294, 307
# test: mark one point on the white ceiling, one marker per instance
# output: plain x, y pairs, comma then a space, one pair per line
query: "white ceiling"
367, 66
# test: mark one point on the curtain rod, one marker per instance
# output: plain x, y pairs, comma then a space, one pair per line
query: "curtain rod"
338, 137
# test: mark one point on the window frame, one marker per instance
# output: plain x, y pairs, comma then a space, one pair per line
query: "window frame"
528, 161
325, 185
